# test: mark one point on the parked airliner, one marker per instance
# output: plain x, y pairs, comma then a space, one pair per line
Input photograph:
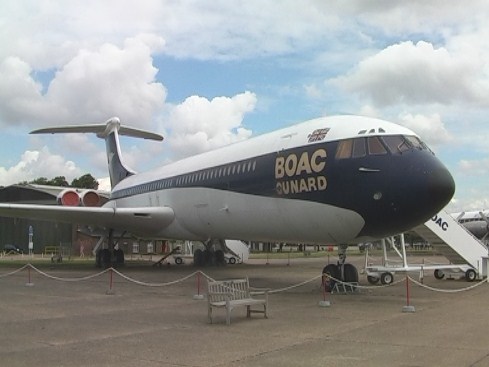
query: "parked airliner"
476, 222
337, 179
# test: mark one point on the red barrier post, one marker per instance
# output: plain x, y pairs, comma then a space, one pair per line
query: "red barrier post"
408, 307
198, 295
324, 282
29, 282
111, 282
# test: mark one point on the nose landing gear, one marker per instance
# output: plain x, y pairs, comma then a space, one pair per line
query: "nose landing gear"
341, 271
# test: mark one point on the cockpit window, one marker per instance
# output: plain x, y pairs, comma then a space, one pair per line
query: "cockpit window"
344, 149
416, 143
396, 143
375, 146
359, 149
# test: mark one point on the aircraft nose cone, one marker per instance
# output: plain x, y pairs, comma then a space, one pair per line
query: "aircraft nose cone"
431, 188
440, 189
419, 190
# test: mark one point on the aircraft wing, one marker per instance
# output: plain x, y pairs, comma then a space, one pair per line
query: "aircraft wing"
144, 221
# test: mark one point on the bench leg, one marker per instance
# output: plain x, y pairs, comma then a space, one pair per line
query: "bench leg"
228, 316
248, 311
209, 314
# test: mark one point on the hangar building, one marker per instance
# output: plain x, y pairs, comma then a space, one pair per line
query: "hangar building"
46, 235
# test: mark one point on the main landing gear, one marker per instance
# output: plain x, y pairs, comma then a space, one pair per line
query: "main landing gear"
213, 255
110, 257
341, 271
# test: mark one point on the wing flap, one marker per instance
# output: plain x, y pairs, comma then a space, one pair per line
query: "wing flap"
144, 221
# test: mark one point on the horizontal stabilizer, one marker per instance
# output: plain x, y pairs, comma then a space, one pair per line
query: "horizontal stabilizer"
102, 130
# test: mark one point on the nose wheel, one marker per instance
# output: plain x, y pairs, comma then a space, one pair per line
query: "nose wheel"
341, 271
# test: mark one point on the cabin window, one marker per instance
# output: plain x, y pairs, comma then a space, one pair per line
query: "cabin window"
375, 146
359, 149
344, 149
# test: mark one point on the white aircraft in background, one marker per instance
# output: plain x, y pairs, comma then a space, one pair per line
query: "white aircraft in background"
338, 179
476, 222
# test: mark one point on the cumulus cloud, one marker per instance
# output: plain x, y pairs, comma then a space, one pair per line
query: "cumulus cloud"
430, 128
478, 167
38, 163
416, 74
20, 95
91, 87
199, 124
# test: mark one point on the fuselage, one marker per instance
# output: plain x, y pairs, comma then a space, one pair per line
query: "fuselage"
339, 179
474, 222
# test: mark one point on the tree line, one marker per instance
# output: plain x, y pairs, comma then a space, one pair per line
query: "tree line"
86, 181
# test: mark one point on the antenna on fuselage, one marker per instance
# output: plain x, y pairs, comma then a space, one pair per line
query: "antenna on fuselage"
109, 131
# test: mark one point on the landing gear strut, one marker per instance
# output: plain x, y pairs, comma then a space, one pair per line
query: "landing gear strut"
112, 256
341, 271
213, 255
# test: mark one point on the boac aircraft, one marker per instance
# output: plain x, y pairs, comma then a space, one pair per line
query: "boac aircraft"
337, 180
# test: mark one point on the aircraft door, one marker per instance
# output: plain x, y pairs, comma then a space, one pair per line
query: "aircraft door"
284, 141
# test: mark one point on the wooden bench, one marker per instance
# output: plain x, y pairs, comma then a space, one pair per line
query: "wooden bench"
233, 293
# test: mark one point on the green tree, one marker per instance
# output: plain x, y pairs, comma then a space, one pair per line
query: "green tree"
40, 181
86, 181
58, 181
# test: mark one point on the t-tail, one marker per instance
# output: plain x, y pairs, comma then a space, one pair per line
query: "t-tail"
109, 131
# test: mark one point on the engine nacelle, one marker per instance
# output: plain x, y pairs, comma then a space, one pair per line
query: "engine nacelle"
68, 197
90, 198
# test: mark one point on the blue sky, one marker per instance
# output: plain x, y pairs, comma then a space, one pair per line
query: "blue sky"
206, 74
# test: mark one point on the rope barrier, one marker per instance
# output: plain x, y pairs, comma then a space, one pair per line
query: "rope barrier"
132, 280
198, 272
66, 279
362, 286
14, 272
295, 286
447, 290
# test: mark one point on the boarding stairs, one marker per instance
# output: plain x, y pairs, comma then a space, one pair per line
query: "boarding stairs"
450, 239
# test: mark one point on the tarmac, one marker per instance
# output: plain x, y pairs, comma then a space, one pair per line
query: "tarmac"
108, 320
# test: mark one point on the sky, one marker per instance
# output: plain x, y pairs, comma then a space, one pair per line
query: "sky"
209, 73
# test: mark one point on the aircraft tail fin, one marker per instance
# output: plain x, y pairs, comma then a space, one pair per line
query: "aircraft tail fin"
109, 131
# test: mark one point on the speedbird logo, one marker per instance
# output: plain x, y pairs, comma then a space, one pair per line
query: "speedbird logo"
300, 173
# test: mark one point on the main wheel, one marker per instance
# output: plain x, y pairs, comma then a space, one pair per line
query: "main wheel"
105, 258
386, 278
470, 275
439, 274
198, 257
219, 257
119, 257
351, 273
98, 259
